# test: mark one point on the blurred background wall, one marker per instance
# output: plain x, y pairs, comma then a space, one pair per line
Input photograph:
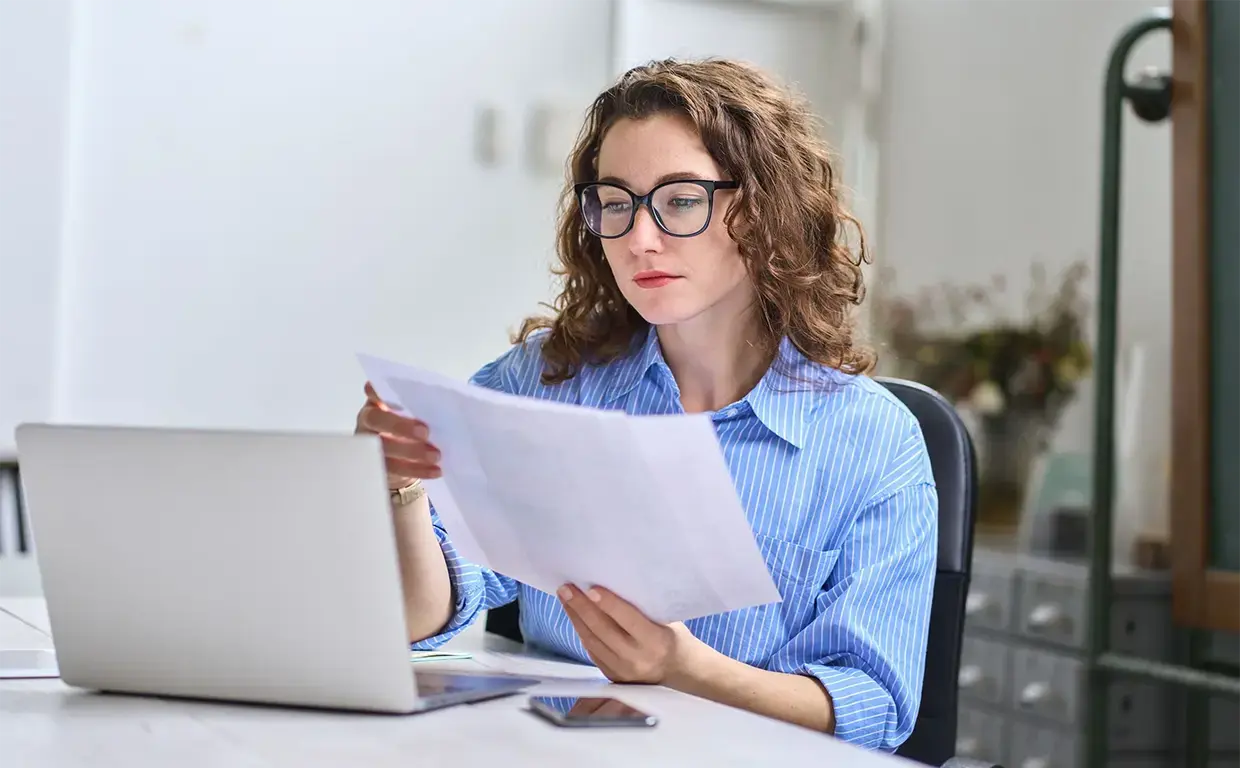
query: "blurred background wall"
207, 207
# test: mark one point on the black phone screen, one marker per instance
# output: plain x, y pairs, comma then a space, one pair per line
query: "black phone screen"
587, 711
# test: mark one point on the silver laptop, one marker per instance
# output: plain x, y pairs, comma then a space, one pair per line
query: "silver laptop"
237, 566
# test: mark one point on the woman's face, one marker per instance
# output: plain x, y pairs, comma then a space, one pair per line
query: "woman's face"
669, 280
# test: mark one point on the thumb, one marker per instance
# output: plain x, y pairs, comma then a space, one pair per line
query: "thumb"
373, 397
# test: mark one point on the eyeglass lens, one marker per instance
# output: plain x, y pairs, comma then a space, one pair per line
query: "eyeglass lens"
681, 208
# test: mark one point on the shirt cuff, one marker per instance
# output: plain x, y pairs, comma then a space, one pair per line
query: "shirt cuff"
865, 713
468, 592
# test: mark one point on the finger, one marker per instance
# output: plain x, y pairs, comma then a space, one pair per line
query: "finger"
625, 615
381, 421
409, 450
600, 624
604, 657
410, 470
373, 397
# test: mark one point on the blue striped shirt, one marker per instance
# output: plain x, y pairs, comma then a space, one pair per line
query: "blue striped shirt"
834, 476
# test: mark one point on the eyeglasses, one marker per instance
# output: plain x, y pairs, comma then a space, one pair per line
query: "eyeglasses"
679, 208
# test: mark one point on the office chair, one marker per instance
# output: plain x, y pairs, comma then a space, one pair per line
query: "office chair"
933, 740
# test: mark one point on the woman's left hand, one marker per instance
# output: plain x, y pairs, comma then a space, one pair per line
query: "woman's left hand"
626, 645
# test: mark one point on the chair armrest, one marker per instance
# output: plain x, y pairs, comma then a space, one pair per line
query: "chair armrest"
968, 762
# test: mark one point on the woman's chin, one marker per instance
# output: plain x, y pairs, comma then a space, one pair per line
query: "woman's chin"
666, 315
665, 307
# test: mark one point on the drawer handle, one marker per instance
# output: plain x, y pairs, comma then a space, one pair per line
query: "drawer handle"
977, 602
969, 676
1047, 616
1033, 693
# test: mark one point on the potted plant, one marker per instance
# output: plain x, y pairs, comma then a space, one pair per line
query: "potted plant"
1012, 375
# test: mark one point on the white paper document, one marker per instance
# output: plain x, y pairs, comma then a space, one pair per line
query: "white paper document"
550, 494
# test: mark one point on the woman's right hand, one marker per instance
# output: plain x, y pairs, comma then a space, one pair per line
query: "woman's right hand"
407, 450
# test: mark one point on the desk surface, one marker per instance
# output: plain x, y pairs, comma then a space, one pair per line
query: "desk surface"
46, 723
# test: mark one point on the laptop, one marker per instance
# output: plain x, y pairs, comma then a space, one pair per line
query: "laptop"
227, 565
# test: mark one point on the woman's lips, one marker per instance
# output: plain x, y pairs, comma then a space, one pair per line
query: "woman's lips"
653, 279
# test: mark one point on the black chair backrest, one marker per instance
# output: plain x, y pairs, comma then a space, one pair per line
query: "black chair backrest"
933, 740
505, 621
11, 488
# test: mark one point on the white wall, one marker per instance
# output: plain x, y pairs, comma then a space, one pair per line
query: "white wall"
259, 189
254, 190
34, 46
991, 135
800, 44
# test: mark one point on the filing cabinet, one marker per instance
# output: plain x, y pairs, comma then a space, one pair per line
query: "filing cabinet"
1022, 671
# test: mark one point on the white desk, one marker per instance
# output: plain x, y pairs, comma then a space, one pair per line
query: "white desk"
46, 723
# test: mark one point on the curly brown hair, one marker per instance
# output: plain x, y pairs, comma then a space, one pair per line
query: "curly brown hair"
788, 219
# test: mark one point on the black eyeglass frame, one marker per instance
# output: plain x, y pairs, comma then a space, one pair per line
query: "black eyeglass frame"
647, 200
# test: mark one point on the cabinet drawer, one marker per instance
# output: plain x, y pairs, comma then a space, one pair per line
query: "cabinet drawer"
981, 735
1038, 747
1051, 607
984, 671
1224, 717
1142, 627
989, 604
1140, 717
1046, 685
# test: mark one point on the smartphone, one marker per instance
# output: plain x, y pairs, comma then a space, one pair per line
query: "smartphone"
28, 664
590, 712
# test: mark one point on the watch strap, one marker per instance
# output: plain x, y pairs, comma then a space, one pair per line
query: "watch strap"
403, 497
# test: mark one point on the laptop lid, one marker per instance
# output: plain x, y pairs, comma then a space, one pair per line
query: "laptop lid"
228, 565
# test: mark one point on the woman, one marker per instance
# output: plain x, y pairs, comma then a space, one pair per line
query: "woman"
704, 267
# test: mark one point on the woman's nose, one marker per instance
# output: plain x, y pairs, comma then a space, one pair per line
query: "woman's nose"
645, 235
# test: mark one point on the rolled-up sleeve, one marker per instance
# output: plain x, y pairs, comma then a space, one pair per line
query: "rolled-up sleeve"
474, 589
867, 642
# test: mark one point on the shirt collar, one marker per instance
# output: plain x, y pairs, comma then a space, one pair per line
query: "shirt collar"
785, 400
627, 372
789, 397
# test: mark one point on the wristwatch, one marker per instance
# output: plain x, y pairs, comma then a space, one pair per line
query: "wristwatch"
403, 497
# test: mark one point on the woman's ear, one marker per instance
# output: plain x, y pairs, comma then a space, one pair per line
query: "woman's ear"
736, 221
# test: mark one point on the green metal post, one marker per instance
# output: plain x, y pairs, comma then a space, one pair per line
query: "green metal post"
1116, 92
1196, 708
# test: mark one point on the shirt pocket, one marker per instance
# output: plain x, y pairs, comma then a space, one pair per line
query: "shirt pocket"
799, 573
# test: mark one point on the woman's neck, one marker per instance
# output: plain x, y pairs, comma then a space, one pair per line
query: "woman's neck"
715, 361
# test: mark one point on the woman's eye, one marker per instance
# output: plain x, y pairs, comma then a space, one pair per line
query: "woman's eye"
616, 207
686, 203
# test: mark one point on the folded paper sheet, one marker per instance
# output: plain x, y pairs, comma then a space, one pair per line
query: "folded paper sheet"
420, 656
549, 494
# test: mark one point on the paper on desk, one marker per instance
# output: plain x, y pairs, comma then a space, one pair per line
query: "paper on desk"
417, 656
545, 667
549, 494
